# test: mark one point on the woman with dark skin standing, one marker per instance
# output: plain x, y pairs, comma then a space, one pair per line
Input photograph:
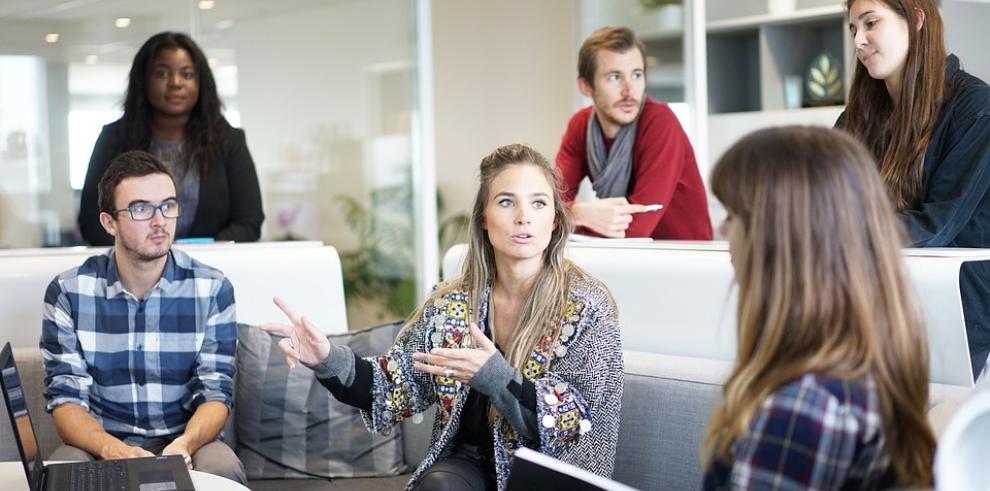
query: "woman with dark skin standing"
173, 111
927, 123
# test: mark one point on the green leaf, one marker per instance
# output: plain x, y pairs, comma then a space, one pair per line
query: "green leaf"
834, 88
817, 75
833, 75
816, 89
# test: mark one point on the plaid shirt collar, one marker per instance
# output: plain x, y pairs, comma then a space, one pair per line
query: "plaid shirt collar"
115, 287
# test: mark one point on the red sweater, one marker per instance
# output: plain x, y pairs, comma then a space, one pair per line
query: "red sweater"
664, 171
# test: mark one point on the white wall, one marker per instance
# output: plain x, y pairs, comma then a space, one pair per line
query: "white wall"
504, 72
966, 24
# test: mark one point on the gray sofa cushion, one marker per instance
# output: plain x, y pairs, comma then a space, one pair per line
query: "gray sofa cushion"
665, 409
289, 426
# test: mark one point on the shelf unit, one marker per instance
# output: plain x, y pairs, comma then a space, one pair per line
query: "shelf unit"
665, 64
750, 55
749, 47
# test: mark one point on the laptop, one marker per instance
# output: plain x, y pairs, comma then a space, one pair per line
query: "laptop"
534, 470
167, 473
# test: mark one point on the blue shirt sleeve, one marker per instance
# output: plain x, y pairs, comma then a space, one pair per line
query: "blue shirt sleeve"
214, 369
67, 378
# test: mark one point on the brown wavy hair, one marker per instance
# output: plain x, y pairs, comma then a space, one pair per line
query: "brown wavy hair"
821, 287
617, 39
898, 132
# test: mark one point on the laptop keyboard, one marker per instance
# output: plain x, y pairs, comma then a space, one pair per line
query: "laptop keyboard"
99, 475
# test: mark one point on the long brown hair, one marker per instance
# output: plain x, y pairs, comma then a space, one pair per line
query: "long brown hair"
821, 286
548, 297
898, 133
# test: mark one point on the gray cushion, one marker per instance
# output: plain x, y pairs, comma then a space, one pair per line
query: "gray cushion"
663, 423
289, 426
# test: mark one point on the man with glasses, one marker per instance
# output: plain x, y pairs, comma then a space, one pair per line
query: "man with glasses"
138, 342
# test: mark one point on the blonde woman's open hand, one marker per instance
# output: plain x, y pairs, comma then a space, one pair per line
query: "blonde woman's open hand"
302, 341
460, 364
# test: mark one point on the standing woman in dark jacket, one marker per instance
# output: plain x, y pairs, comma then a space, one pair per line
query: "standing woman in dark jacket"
927, 122
172, 110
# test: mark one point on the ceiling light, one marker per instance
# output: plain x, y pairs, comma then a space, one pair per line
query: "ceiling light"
207, 4
212, 62
91, 59
122, 22
51, 37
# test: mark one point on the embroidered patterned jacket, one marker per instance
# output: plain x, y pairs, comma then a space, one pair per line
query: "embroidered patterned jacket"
577, 370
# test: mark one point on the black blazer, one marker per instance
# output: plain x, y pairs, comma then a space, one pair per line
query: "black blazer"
229, 196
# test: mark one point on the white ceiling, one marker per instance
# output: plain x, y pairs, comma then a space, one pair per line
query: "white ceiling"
86, 27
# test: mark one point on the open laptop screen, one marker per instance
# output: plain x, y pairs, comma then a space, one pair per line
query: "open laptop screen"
20, 420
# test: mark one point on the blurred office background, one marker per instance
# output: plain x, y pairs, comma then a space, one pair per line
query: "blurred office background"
367, 118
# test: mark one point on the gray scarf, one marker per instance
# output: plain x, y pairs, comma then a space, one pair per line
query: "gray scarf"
610, 173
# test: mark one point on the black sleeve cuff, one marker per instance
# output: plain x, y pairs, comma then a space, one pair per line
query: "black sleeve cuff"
358, 394
524, 392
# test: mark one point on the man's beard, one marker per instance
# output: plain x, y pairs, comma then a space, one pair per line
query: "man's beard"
144, 256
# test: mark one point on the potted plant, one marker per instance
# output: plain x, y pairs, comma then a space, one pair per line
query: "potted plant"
381, 270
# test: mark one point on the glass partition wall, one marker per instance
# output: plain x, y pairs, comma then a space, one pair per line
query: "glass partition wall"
326, 92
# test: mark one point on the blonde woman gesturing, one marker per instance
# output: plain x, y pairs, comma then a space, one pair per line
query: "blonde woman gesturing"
522, 349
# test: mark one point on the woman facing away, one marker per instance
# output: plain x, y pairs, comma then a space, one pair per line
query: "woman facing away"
173, 111
927, 123
522, 349
830, 383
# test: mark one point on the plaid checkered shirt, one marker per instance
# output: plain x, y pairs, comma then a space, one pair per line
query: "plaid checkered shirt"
811, 433
139, 367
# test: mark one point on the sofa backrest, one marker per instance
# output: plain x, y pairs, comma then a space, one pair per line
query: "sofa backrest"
306, 274
676, 298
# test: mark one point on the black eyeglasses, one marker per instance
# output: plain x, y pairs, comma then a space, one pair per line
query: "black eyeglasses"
146, 211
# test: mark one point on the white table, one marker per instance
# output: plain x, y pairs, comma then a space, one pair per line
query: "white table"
12, 479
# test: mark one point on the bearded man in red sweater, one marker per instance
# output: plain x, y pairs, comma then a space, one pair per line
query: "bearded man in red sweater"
632, 148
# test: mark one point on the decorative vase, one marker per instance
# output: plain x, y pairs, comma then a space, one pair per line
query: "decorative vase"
670, 17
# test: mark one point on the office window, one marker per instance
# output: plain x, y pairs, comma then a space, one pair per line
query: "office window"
325, 92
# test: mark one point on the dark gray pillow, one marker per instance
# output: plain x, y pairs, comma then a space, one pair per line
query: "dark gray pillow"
289, 426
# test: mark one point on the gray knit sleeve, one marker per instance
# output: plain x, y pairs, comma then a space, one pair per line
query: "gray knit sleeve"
339, 364
494, 379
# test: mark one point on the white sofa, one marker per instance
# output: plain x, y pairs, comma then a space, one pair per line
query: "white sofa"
677, 298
